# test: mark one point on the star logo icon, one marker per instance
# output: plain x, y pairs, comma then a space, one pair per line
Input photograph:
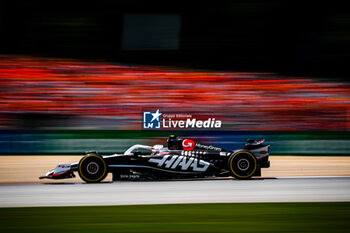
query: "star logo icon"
151, 120
156, 115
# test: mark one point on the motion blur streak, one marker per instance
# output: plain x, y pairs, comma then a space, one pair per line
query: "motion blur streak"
77, 91
130, 193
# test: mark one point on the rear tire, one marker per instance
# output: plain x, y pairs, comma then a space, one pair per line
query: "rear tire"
242, 165
92, 168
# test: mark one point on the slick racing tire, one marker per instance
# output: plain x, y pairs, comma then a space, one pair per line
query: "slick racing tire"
92, 168
242, 165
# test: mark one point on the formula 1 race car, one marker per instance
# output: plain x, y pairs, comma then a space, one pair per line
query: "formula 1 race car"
182, 158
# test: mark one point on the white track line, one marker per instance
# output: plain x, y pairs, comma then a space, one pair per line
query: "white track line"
311, 177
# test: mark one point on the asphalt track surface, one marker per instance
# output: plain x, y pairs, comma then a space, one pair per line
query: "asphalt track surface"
307, 189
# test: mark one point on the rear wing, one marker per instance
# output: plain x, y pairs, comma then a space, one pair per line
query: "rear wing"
254, 142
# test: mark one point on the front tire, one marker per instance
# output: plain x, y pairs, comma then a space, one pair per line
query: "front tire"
242, 165
92, 168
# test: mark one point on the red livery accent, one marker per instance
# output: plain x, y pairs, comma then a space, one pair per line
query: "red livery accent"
188, 144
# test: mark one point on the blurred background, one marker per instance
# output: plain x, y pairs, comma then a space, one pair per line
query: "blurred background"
76, 76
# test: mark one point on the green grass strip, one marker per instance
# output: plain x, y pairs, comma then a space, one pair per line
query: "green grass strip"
243, 217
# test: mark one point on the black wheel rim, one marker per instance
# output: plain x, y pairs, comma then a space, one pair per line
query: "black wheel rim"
92, 168
243, 164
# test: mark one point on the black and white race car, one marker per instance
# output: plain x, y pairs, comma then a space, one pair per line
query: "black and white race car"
182, 158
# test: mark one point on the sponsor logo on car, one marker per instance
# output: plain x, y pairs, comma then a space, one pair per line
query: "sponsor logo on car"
188, 144
208, 147
182, 162
225, 153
